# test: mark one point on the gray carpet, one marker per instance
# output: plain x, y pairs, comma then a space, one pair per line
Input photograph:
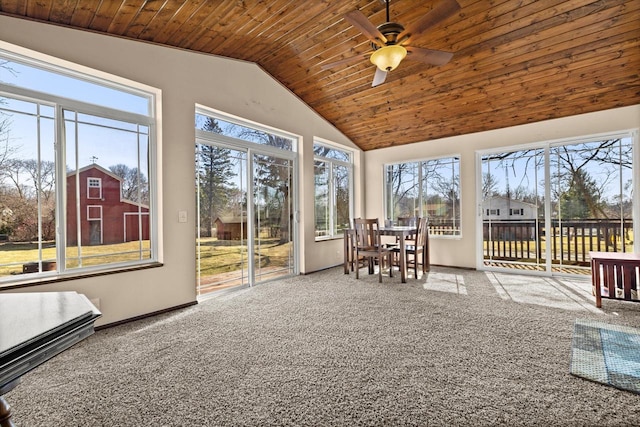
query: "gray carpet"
327, 349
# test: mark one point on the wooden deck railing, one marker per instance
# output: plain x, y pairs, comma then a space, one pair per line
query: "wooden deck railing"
569, 241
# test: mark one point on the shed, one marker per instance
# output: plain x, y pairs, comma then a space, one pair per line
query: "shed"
231, 227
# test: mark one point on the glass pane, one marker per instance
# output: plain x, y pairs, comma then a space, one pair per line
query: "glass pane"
331, 153
222, 218
591, 201
27, 189
322, 202
403, 191
513, 209
107, 220
341, 185
42, 80
272, 198
441, 195
242, 132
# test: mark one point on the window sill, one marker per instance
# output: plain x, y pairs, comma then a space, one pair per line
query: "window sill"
329, 238
37, 281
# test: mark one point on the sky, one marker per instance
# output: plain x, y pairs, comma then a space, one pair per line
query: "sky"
102, 141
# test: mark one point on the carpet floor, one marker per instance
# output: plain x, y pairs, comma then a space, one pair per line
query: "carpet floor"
326, 349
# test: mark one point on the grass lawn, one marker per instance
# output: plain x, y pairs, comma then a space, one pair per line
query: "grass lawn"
222, 256
14, 255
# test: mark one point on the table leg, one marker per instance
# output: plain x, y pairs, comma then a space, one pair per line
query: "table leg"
595, 281
403, 260
346, 252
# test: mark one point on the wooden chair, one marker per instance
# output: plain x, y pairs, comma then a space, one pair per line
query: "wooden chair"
351, 262
369, 247
418, 249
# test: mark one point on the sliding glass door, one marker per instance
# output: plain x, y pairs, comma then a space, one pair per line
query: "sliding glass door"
245, 186
545, 208
273, 216
513, 210
221, 188
591, 201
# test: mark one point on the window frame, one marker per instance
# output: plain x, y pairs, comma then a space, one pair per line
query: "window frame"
59, 103
91, 179
545, 147
332, 162
420, 202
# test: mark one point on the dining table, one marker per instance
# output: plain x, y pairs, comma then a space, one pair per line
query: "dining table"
401, 233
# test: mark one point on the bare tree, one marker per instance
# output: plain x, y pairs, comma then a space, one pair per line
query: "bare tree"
133, 185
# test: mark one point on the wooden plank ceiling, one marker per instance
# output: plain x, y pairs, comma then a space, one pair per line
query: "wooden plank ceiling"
514, 62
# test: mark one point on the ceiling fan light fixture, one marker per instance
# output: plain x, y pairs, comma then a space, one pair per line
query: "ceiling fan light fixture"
387, 58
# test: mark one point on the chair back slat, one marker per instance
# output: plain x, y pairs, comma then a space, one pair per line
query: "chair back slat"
422, 232
367, 237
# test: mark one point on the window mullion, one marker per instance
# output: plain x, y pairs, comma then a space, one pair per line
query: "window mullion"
61, 190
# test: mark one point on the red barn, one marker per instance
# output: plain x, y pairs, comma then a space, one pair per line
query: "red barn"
105, 217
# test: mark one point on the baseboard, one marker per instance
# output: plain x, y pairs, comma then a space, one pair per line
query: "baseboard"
144, 316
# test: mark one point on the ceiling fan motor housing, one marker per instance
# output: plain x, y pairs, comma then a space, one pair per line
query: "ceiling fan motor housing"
390, 30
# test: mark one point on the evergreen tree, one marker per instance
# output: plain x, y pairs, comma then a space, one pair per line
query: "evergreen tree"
214, 169
582, 198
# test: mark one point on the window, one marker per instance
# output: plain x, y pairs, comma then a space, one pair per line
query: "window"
94, 188
333, 170
576, 196
77, 171
425, 188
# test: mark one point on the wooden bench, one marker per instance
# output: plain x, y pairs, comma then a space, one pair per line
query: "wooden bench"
615, 275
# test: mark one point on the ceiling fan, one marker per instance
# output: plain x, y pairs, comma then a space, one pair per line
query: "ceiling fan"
390, 40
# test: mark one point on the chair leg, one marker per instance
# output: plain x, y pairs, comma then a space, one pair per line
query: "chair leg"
424, 262
427, 261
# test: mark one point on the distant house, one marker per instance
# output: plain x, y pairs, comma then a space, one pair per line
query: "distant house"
231, 228
502, 208
105, 217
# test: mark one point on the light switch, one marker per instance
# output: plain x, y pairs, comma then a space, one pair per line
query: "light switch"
182, 216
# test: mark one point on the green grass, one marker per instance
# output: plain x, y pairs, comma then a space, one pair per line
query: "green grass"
215, 256
22, 253
223, 256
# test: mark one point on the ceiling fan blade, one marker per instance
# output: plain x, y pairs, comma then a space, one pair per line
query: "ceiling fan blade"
345, 61
379, 77
428, 56
358, 20
440, 12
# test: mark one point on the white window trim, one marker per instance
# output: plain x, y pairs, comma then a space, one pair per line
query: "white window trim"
89, 217
99, 187
350, 165
154, 95
204, 137
546, 145
420, 160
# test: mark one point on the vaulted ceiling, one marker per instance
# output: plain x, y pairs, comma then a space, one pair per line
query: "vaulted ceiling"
514, 62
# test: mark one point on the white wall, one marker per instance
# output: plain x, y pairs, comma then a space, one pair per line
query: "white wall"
185, 78
461, 251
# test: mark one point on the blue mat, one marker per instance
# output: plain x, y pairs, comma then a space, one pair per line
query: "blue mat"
608, 354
